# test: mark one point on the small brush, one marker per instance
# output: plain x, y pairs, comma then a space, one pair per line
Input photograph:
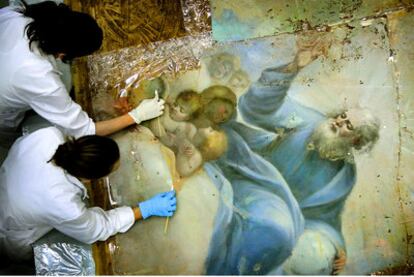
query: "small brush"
158, 118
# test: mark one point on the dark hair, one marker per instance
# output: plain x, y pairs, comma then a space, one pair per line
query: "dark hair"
90, 157
58, 29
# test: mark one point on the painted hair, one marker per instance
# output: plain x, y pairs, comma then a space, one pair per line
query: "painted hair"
191, 99
367, 134
90, 157
214, 145
58, 29
364, 137
218, 91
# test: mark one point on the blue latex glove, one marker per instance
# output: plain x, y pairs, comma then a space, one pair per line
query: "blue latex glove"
163, 204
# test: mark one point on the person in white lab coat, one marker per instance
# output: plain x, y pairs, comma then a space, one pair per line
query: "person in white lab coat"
41, 189
31, 39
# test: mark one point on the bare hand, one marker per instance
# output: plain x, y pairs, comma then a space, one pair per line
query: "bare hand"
304, 58
188, 150
340, 262
310, 46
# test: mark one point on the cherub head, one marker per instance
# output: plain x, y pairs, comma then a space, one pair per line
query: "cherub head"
239, 80
212, 143
146, 90
219, 103
219, 110
222, 66
186, 105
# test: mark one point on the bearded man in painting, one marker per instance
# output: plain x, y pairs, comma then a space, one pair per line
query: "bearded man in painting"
314, 152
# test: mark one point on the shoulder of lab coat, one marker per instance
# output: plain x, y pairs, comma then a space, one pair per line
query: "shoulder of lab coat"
70, 215
31, 78
38, 84
12, 24
36, 192
63, 202
38, 189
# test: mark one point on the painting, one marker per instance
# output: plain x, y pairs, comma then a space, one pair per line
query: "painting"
238, 20
290, 154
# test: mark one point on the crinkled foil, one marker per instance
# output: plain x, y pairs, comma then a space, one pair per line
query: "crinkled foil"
111, 74
197, 16
57, 254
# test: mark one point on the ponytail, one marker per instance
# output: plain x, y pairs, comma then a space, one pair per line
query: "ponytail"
66, 153
90, 157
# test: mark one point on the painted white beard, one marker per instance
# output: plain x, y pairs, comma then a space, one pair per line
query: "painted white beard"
330, 146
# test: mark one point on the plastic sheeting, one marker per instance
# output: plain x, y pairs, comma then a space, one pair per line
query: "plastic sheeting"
111, 75
152, 60
57, 254
197, 16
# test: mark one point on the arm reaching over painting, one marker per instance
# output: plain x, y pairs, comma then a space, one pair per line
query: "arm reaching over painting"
147, 109
122, 106
261, 104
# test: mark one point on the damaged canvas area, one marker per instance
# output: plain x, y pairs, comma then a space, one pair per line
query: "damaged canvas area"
249, 140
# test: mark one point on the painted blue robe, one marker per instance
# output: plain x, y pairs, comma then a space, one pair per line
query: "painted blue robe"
258, 221
319, 185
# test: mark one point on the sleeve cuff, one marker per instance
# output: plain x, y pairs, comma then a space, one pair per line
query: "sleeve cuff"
92, 129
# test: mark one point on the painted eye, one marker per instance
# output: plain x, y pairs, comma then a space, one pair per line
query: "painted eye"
343, 115
349, 126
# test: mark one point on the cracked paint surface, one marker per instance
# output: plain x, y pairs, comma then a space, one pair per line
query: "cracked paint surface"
368, 64
244, 19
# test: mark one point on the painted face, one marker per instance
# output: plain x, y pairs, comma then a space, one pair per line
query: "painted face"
341, 125
239, 80
222, 66
219, 111
180, 112
344, 124
326, 139
205, 132
335, 137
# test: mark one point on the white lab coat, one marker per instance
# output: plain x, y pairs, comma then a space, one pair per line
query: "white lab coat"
37, 196
30, 80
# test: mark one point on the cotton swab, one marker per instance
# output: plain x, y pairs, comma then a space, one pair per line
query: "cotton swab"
158, 118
